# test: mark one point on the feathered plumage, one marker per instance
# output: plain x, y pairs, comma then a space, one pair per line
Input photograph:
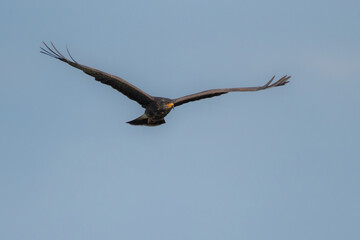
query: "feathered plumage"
156, 108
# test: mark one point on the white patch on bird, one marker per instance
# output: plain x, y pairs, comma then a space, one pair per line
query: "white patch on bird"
144, 116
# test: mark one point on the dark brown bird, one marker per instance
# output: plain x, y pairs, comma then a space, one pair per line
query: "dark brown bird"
156, 108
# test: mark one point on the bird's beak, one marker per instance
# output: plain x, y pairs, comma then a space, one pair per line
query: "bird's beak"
170, 105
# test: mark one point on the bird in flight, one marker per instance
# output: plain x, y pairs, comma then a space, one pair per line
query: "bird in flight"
156, 108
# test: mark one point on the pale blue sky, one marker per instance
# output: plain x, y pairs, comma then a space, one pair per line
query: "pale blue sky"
276, 164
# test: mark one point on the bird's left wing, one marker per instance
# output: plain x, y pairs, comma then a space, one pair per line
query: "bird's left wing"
118, 83
217, 92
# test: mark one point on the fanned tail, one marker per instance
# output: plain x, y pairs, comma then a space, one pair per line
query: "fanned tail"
144, 120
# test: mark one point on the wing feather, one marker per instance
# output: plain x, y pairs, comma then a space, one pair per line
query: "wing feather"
217, 92
117, 83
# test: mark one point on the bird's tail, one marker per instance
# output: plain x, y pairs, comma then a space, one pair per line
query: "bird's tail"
144, 120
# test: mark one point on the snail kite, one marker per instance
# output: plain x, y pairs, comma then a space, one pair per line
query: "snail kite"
156, 108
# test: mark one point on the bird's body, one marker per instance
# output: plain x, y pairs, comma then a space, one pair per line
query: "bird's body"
155, 112
156, 108
159, 108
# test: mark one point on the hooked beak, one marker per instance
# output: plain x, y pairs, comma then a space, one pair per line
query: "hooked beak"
170, 105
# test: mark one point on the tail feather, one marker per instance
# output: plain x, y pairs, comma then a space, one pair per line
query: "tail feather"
143, 120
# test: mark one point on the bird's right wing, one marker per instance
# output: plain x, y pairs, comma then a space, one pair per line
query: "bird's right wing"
217, 92
118, 83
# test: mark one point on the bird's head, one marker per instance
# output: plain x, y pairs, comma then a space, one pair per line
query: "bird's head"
167, 103
164, 104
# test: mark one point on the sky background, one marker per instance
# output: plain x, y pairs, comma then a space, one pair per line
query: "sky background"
275, 164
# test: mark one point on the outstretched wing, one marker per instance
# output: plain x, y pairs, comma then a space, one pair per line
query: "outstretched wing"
118, 83
217, 92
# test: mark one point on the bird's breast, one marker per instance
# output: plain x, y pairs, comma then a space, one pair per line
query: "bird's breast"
156, 113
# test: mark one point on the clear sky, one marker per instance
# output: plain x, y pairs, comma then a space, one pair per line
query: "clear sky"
275, 164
